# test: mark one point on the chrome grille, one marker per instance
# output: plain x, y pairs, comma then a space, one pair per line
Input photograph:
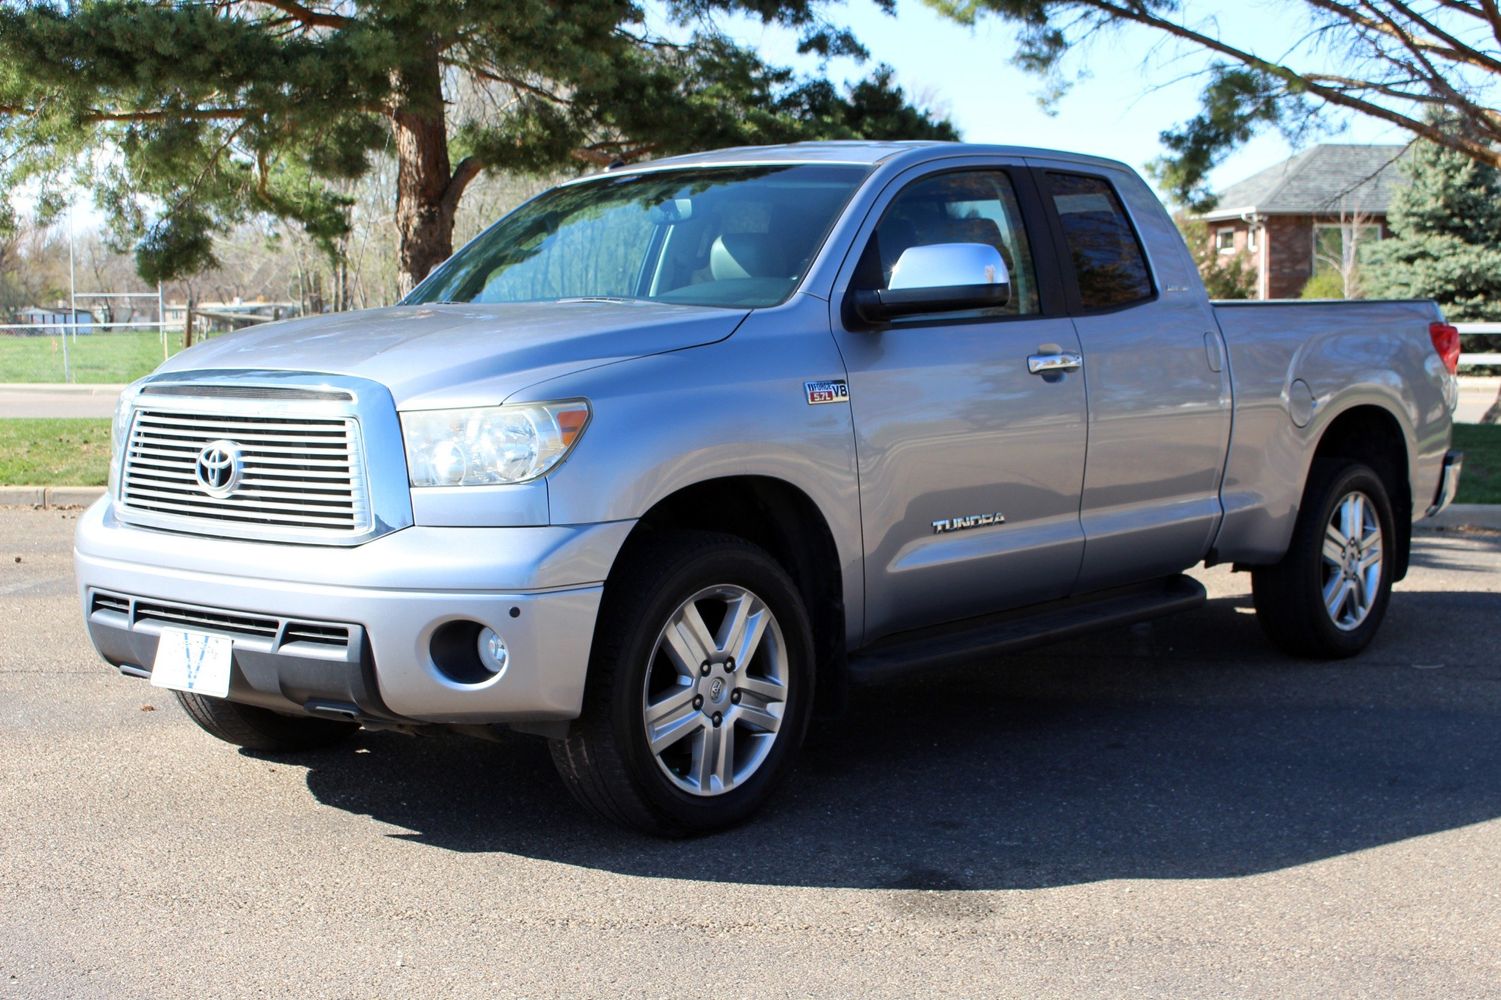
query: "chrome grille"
302, 475
205, 618
149, 615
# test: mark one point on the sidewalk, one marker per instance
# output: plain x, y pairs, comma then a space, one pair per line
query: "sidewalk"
52, 399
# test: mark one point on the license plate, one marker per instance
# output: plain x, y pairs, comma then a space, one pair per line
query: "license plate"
193, 661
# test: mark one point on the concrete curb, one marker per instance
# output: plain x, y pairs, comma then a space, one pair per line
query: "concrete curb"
1464, 515
49, 496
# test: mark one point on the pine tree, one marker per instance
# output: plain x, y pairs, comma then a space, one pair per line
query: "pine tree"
187, 117
1446, 242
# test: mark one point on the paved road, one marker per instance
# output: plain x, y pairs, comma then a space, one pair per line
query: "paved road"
22, 400
1170, 809
1475, 397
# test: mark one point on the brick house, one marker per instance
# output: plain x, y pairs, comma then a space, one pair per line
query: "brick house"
1306, 214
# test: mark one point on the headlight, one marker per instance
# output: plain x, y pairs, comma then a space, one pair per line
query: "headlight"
490, 445
119, 430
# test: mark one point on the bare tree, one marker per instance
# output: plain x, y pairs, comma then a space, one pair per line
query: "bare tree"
1392, 60
1342, 256
33, 269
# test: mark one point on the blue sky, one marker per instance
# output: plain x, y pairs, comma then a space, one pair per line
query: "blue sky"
1135, 84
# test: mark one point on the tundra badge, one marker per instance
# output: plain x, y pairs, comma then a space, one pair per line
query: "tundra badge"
972, 521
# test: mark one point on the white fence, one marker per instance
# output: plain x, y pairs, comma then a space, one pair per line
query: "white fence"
66, 324
1467, 360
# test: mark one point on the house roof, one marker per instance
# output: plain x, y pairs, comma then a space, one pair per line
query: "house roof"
1322, 180
60, 311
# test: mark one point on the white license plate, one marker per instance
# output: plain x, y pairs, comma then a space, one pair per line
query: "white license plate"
193, 661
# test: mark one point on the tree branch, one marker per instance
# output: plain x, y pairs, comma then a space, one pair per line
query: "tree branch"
1493, 14
95, 116
1478, 150
1461, 51
1458, 52
602, 154
518, 85
468, 169
307, 16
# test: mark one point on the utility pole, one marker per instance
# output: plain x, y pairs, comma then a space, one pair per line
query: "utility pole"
72, 300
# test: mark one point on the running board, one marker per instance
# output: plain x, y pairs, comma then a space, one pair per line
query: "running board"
958, 642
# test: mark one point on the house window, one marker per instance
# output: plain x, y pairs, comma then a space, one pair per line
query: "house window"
1342, 247
1224, 240
1253, 243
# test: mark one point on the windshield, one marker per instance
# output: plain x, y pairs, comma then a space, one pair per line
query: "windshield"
720, 236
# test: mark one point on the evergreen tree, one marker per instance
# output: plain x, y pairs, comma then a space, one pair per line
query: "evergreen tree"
1446, 242
188, 117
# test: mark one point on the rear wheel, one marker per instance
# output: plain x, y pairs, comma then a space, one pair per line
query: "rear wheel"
699, 688
260, 728
1327, 596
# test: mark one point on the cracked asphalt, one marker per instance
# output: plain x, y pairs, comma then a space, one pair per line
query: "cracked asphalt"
1168, 809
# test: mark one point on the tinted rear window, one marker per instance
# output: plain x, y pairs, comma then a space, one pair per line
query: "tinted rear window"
1106, 254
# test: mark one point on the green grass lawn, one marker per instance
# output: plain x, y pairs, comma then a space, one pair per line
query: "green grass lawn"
54, 452
93, 357
75, 452
1481, 480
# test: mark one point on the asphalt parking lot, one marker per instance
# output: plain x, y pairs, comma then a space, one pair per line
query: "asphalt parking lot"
1169, 809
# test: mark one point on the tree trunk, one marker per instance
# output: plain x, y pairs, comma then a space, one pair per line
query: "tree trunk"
424, 209
1493, 415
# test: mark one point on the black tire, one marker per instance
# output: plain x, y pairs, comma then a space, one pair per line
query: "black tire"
260, 728
1289, 597
607, 762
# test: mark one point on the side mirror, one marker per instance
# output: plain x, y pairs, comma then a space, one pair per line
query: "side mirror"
665, 213
944, 277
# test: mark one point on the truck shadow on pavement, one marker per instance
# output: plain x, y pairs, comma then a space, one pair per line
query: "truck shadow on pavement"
1184, 748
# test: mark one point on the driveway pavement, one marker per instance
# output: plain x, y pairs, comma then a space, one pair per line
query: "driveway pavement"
1168, 809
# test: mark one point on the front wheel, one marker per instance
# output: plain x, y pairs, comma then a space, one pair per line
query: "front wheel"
699, 690
1327, 596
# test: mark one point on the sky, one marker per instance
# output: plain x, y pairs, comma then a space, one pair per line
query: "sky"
1134, 87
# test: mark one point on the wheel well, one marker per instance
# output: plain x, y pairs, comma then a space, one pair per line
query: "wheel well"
1372, 435
781, 519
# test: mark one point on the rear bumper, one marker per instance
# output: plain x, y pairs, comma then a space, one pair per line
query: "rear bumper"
349, 632
1448, 482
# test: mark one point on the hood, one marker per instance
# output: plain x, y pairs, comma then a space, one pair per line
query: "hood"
466, 354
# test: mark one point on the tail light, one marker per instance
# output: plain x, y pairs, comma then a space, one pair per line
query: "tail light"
1445, 338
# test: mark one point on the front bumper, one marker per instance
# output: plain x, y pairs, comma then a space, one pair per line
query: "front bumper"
1448, 482
349, 631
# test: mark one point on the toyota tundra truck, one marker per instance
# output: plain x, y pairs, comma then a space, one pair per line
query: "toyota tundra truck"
672, 455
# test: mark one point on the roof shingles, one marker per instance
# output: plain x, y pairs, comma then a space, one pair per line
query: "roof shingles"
1326, 179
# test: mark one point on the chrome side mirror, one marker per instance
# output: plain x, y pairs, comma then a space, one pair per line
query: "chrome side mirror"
943, 277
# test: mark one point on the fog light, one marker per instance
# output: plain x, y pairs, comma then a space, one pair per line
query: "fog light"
493, 654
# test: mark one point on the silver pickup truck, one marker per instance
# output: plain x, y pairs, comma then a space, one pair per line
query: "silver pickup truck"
671, 455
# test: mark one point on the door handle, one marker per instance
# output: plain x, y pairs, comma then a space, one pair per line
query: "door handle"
1044, 364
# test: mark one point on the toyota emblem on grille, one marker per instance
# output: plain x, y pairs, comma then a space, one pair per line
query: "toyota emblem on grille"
218, 468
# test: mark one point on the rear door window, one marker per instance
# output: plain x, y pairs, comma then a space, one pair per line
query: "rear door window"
1109, 266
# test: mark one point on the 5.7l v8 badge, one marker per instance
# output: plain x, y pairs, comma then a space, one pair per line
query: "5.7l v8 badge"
836, 391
